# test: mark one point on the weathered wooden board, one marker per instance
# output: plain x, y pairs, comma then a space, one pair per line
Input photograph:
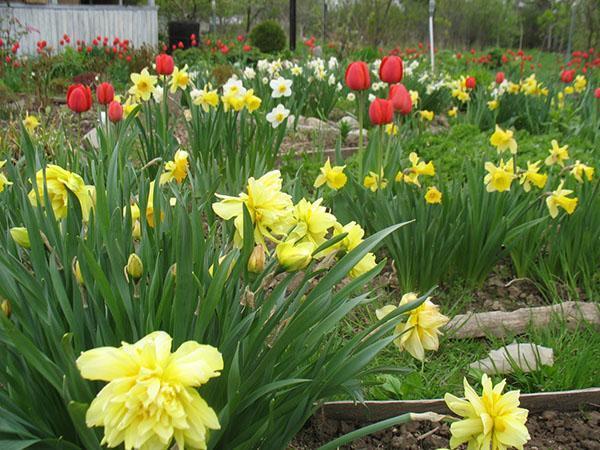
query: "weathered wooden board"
139, 24
500, 323
373, 411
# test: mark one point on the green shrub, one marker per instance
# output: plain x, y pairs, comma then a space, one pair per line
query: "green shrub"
268, 36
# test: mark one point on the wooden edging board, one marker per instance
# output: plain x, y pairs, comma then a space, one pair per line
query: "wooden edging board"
372, 411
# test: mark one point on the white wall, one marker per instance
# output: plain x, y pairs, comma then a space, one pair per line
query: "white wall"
139, 24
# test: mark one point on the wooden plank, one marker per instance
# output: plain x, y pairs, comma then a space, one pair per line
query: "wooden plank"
501, 323
372, 411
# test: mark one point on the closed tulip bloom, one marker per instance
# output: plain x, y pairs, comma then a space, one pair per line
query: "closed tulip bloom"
115, 112
470, 83
401, 99
381, 111
567, 76
391, 69
164, 64
500, 77
597, 93
357, 76
79, 98
105, 93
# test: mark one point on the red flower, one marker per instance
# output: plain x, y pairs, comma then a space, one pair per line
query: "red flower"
499, 77
567, 76
164, 64
240, 38
246, 48
180, 44
391, 69
105, 93
357, 76
115, 112
381, 111
470, 83
597, 93
400, 98
504, 59
79, 98
224, 49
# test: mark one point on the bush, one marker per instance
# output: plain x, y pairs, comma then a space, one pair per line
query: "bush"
268, 36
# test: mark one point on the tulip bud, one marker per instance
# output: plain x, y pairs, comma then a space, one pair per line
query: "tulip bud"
134, 267
597, 93
357, 76
470, 83
294, 256
567, 76
115, 112
79, 98
105, 93
6, 308
381, 111
77, 272
256, 263
21, 236
400, 98
164, 64
391, 69
499, 77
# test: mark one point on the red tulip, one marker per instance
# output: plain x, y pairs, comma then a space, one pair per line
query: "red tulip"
180, 44
499, 77
164, 64
470, 83
400, 98
391, 69
105, 93
597, 93
79, 98
567, 76
357, 76
381, 111
246, 48
115, 112
240, 37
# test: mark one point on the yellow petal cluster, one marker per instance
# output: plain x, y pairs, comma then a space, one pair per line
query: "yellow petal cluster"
333, 176
559, 199
532, 176
59, 183
143, 85
180, 79
581, 170
150, 401
421, 330
493, 421
499, 178
558, 155
3, 180
177, 169
503, 140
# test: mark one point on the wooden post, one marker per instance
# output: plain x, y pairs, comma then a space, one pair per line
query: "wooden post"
292, 25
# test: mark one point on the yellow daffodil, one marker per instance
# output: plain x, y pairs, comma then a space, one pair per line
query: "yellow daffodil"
21, 236
493, 421
513, 88
30, 123
426, 115
136, 231
333, 176
205, 98
532, 176
59, 183
143, 85
579, 170
580, 83
251, 101
270, 209
493, 105
452, 112
499, 178
558, 155
354, 236
177, 169
503, 140
150, 401
179, 79
365, 264
414, 97
312, 222
391, 129
372, 181
256, 262
421, 330
294, 256
558, 198
433, 196
3, 180
569, 90
418, 168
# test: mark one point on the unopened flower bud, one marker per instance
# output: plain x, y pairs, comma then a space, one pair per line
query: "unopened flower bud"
20, 236
256, 263
6, 308
134, 267
77, 271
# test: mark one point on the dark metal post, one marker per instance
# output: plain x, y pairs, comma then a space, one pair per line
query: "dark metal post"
292, 25
324, 20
